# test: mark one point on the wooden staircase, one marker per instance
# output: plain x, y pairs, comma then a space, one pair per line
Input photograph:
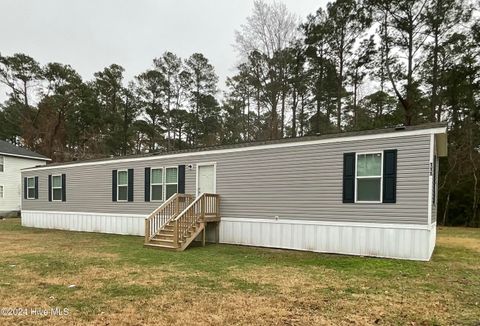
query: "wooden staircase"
179, 221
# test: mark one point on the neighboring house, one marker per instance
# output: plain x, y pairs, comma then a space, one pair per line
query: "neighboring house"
369, 193
12, 160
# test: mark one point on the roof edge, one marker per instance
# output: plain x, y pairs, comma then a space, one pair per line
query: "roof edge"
430, 128
26, 156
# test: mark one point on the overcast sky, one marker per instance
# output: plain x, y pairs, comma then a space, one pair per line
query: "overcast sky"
90, 35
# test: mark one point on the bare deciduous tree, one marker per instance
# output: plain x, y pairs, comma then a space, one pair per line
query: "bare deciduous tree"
270, 28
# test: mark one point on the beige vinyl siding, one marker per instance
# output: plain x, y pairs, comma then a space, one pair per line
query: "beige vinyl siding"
295, 182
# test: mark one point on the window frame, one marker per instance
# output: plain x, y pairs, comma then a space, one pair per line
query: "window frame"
53, 187
118, 186
165, 183
369, 177
2, 192
157, 184
28, 188
2, 163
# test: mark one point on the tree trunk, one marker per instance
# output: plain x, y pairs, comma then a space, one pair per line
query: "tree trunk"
320, 90
125, 129
475, 179
282, 123
401, 99
409, 97
258, 113
302, 114
168, 116
274, 119
340, 85
294, 113
355, 89
180, 137
25, 94
445, 210
433, 99
248, 118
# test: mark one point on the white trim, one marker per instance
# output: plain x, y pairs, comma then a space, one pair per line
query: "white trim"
85, 213
122, 200
254, 147
214, 176
330, 223
61, 187
26, 156
430, 177
369, 177
151, 184
28, 197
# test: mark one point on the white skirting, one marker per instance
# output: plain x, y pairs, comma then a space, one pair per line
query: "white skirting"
87, 222
414, 242
366, 239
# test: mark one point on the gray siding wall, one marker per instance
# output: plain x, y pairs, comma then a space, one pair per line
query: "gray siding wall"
295, 182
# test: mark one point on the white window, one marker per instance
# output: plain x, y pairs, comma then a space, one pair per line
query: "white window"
57, 187
369, 177
31, 188
156, 184
1, 192
122, 185
171, 182
2, 163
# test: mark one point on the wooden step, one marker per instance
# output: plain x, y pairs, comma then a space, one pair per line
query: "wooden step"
160, 246
164, 239
166, 232
164, 242
164, 236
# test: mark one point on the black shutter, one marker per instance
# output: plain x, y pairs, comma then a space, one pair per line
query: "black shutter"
114, 185
50, 188
390, 176
130, 184
25, 188
64, 187
349, 177
36, 187
181, 179
147, 184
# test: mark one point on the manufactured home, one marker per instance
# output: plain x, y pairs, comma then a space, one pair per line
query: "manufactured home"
370, 193
12, 160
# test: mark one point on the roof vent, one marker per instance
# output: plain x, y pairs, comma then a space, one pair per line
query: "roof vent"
400, 127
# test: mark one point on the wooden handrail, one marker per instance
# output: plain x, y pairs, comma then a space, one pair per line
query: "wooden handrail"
165, 213
206, 205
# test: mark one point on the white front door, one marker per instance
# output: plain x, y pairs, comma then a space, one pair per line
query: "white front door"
206, 179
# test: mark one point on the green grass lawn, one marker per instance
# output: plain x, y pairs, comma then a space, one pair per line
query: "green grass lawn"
117, 281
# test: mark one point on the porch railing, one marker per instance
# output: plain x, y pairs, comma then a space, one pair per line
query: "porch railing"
205, 207
169, 210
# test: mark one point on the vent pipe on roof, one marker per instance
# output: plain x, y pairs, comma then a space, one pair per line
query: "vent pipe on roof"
400, 127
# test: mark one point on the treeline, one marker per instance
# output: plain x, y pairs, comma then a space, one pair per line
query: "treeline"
350, 66
170, 106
